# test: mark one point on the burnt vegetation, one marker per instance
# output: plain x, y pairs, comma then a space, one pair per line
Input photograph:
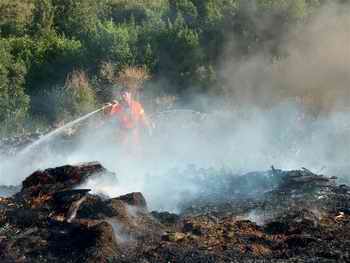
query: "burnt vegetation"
298, 216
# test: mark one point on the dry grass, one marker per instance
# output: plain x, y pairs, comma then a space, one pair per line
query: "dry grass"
260, 250
132, 78
77, 80
79, 95
107, 72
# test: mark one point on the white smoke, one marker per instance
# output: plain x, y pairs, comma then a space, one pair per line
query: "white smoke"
291, 113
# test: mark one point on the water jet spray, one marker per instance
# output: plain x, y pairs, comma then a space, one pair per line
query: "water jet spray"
59, 130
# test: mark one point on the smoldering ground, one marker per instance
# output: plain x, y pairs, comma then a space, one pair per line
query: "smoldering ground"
240, 141
290, 113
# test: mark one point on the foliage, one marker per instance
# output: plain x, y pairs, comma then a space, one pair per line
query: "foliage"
43, 17
185, 8
14, 102
75, 18
178, 54
80, 96
74, 50
15, 17
110, 42
75, 98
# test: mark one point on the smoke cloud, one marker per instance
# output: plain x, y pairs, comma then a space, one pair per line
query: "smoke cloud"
314, 71
290, 112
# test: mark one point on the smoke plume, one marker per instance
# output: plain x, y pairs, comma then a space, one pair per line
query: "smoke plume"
314, 71
289, 112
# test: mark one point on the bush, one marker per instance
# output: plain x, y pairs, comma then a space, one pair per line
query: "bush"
76, 18
111, 42
185, 8
75, 98
15, 17
13, 100
47, 61
53, 58
80, 96
48, 58
124, 11
43, 18
178, 54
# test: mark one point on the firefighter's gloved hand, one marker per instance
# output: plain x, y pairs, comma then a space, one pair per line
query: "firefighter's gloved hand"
107, 105
110, 104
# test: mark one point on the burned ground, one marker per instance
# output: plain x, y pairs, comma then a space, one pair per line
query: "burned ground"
301, 217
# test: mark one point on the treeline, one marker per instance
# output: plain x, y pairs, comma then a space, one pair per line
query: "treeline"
61, 58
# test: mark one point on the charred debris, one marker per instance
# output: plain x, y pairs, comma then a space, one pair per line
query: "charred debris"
299, 217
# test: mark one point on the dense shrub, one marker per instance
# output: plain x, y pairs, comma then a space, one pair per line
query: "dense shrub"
43, 18
180, 43
75, 18
15, 17
110, 42
75, 98
80, 96
14, 102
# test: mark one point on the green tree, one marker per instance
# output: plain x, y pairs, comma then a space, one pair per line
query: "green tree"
15, 17
49, 59
43, 17
111, 42
185, 8
179, 54
14, 102
75, 18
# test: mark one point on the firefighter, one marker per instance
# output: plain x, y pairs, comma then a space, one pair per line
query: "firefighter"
131, 118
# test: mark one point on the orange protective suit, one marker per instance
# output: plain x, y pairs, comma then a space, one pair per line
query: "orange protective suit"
130, 118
